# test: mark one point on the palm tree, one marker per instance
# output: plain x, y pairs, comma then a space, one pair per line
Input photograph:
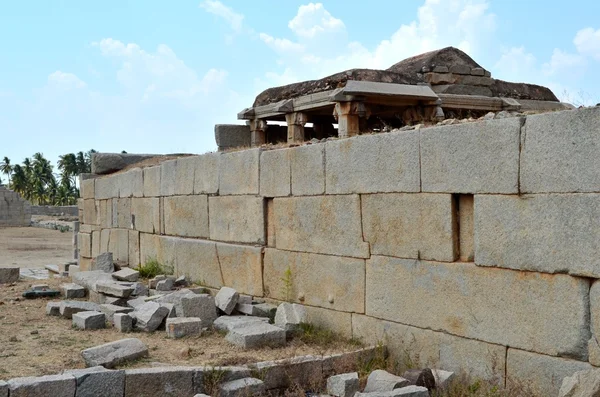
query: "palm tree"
6, 168
19, 181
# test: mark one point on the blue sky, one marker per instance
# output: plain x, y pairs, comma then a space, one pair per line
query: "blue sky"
155, 76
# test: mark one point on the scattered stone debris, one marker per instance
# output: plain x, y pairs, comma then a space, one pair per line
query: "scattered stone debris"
289, 316
344, 385
123, 322
581, 384
126, 274
68, 308
226, 299
89, 320
149, 316
382, 381
104, 262
179, 327
72, 291
114, 353
242, 387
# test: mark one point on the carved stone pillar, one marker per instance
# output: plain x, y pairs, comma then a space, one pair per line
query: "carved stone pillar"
258, 132
295, 124
348, 116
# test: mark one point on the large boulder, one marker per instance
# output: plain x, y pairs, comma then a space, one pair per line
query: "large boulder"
581, 384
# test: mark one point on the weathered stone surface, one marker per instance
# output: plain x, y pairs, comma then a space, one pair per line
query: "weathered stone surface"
105, 163
89, 279
322, 225
176, 298
131, 183
275, 169
196, 259
201, 306
303, 371
410, 225
126, 274
114, 289
381, 381
559, 152
317, 280
98, 382
180, 327
103, 262
88, 190
123, 322
110, 310
540, 375
106, 188
581, 384
159, 381
442, 378
89, 320
264, 310
114, 353
166, 284
373, 164
545, 233
226, 299
9, 275
53, 308
90, 215
237, 219
289, 316
232, 135
471, 291
186, 216
149, 316
42, 386
255, 335
343, 385
241, 267
152, 181
145, 214
122, 213
84, 242
480, 157
239, 172
227, 323
308, 170
242, 387
408, 391
68, 308
177, 176
206, 174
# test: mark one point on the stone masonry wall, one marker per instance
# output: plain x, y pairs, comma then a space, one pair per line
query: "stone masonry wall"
54, 210
467, 247
14, 210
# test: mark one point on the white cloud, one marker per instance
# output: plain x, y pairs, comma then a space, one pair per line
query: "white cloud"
587, 42
516, 64
563, 62
281, 45
65, 81
313, 19
217, 8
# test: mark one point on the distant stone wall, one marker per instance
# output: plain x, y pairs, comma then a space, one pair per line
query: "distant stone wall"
468, 247
14, 210
51, 210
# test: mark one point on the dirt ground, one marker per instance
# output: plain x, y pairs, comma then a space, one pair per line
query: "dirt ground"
32, 247
33, 344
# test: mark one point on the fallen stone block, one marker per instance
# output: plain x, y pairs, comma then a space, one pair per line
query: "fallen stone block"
227, 323
126, 274
242, 387
68, 308
289, 316
152, 282
149, 316
123, 322
255, 335
180, 327
89, 320
114, 289
408, 391
244, 308
9, 275
136, 302
139, 289
166, 284
264, 310
110, 310
42, 386
73, 269
176, 299
420, 377
53, 308
581, 384
113, 300
89, 279
72, 291
98, 382
442, 378
3, 389
226, 299
103, 262
344, 385
380, 380
181, 281
115, 353
202, 306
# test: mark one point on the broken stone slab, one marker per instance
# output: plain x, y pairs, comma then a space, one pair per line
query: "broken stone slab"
227, 323
244, 305
408, 391
264, 310
114, 289
301, 371
289, 316
581, 384
421, 377
139, 289
176, 299
152, 282
442, 378
114, 353
42, 386
89, 320
226, 299
161, 381
180, 327
68, 308
72, 291
202, 306
343, 385
103, 262
171, 307
123, 322
380, 381
53, 308
98, 382
110, 310
126, 274
89, 279
242, 387
73, 269
181, 281
255, 335
9, 275
136, 302
165, 285
149, 316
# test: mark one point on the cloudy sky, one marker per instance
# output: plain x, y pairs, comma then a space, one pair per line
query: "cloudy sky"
155, 76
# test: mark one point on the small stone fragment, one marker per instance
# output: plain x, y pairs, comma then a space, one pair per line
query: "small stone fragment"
227, 323
242, 387
181, 281
344, 385
139, 289
110, 311
104, 262
442, 378
9, 275
289, 316
89, 320
114, 353
380, 381
226, 299
255, 335
126, 274
202, 306
114, 289
123, 322
180, 327
53, 309
72, 291
166, 284
149, 316
68, 308
152, 282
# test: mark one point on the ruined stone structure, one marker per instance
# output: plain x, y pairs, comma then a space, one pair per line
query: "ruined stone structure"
14, 210
467, 247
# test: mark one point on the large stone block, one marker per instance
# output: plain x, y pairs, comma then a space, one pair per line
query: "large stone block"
84, 241
537, 374
186, 216
106, 187
165, 381
131, 183
134, 249
43, 386
232, 135
177, 176
98, 382
118, 244
198, 261
318, 280
159, 248
88, 190
308, 170
206, 175
481, 157
373, 164
152, 181
105, 218
494, 305
336, 321
555, 233
595, 314
237, 219
414, 347
410, 225
89, 212
239, 172
560, 152
275, 179
322, 225
241, 267
123, 213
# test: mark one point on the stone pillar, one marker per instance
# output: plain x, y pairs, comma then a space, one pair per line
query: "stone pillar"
258, 132
295, 122
348, 116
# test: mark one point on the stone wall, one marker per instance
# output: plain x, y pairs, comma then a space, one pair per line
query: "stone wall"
54, 210
14, 210
467, 247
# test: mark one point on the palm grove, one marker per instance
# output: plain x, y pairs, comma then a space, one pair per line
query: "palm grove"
35, 180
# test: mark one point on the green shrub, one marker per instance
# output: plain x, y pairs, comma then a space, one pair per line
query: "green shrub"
152, 268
